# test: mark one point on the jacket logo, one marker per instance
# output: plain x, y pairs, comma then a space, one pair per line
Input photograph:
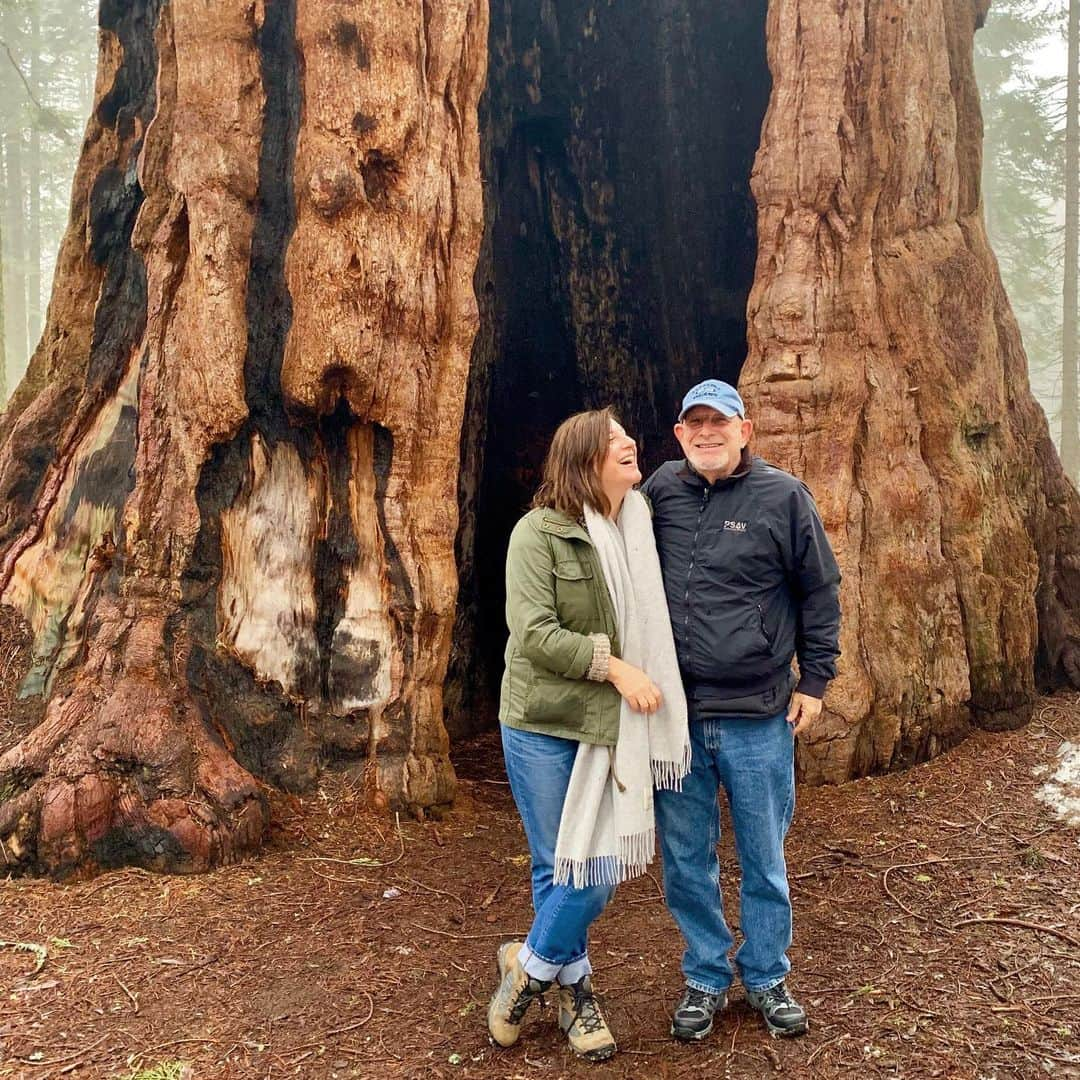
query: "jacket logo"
735, 526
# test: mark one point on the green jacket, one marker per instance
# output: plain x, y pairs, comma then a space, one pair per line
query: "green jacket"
556, 596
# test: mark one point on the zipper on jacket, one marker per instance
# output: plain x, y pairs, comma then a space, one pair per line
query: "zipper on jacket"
764, 628
689, 573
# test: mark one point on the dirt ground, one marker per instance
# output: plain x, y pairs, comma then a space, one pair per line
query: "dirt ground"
935, 916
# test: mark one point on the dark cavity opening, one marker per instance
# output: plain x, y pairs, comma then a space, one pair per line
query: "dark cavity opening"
619, 253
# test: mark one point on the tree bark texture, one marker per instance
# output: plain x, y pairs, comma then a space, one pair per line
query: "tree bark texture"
230, 480
229, 477
886, 369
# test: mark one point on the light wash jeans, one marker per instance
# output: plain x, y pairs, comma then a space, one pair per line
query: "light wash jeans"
538, 767
753, 760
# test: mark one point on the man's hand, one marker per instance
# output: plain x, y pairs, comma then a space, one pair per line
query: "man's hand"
803, 711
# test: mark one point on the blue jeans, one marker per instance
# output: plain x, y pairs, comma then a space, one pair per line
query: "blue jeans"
753, 759
538, 767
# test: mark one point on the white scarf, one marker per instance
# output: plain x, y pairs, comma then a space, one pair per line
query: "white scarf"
607, 833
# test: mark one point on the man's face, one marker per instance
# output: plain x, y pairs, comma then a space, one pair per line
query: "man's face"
712, 442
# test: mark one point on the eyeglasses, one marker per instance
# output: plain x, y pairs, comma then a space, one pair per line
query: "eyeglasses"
709, 419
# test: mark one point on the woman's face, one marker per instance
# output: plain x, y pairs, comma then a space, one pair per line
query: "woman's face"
619, 470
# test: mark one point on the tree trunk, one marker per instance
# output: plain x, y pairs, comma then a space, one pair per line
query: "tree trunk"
1070, 327
618, 257
229, 475
886, 369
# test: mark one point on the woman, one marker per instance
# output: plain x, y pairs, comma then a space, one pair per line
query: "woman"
586, 731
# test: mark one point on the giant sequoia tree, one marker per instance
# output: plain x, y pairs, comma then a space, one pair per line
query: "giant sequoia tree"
303, 248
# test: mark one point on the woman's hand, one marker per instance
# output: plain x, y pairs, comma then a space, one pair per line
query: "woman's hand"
638, 690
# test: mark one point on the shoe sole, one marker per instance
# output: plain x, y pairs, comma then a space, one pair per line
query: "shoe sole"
502, 974
602, 1054
787, 1033
686, 1035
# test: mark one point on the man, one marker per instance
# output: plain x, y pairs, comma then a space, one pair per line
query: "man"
751, 582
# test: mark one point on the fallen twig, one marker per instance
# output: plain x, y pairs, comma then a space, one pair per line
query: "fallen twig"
366, 863
825, 1045
896, 899
490, 898
1024, 923
441, 892
134, 999
81, 1052
359, 1023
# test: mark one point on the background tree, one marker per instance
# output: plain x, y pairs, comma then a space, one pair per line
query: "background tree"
1070, 337
1023, 177
47, 58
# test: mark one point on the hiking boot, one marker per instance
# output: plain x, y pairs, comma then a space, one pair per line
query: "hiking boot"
583, 1023
514, 994
784, 1016
693, 1018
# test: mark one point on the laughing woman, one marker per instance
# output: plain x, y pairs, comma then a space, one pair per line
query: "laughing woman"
592, 712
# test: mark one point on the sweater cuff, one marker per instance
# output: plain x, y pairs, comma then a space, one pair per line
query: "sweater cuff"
601, 657
812, 686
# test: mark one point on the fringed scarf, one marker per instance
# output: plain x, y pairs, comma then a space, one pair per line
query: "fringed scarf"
607, 833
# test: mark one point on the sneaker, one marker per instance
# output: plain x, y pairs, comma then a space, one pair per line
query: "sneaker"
784, 1016
515, 993
583, 1023
693, 1018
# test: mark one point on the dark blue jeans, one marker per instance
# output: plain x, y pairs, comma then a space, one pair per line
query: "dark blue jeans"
753, 760
538, 767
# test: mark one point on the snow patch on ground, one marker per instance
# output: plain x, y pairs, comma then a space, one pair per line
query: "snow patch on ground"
1062, 791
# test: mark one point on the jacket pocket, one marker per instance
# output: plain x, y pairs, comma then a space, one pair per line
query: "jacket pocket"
516, 686
552, 697
741, 651
575, 597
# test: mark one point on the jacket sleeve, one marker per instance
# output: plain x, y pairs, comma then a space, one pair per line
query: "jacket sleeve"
530, 607
815, 585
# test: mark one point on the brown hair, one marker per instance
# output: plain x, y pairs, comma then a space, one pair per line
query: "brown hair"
571, 475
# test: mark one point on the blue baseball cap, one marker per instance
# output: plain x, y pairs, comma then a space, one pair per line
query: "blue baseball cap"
721, 396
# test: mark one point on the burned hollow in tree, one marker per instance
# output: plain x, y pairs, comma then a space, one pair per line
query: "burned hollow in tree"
619, 251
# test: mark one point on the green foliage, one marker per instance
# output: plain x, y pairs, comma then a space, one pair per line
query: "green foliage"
1022, 176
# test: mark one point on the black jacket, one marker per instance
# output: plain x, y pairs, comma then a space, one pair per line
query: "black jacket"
751, 581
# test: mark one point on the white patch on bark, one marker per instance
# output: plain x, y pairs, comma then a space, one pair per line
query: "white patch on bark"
364, 635
1062, 791
266, 603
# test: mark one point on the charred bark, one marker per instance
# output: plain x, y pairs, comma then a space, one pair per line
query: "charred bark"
618, 254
